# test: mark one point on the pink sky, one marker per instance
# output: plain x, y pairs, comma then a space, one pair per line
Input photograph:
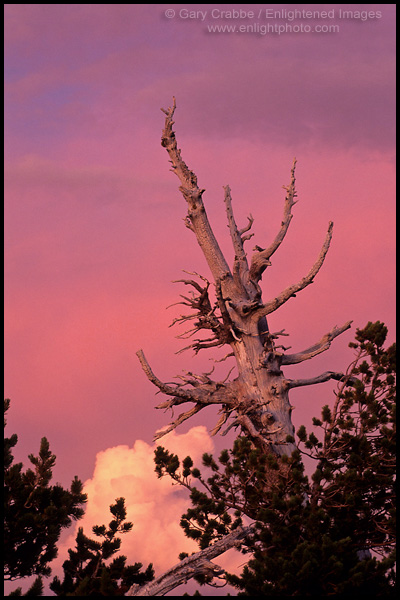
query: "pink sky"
93, 218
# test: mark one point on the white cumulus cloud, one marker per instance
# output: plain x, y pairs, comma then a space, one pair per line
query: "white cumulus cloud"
153, 505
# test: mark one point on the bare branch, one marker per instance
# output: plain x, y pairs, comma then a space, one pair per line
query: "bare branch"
196, 380
292, 383
198, 345
291, 291
260, 261
198, 563
249, 225
205, 392
241, 267
219, 423
196, 285
182, 417
276, 334
163, 387
218, 360
235, 235
196, 219
205, 315
323, 344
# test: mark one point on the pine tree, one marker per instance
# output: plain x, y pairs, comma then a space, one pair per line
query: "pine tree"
87, 573
329, 534
35, 512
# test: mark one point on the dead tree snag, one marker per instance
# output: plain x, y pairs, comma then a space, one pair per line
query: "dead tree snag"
257, 400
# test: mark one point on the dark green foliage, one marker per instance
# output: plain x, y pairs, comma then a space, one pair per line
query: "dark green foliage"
332, 533
356, 461
35, 513
36, 589
86, 573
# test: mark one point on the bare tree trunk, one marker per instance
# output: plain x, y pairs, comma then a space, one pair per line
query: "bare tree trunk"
257, 399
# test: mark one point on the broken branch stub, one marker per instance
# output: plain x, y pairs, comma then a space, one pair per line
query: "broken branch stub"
257, 399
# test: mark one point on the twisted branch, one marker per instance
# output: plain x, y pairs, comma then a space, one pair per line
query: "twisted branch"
204, 392
186, 395
206, 317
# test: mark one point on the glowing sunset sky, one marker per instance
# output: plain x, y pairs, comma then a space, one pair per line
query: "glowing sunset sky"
94, 234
